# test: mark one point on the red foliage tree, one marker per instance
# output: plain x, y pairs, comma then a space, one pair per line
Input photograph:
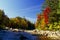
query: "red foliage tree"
46, 12
38, 17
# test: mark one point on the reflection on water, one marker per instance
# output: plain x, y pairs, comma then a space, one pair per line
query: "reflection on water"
9, 35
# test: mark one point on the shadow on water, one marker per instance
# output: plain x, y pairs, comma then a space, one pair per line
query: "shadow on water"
23, 38
1, 38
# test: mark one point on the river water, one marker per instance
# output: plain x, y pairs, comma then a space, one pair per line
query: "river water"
9, 35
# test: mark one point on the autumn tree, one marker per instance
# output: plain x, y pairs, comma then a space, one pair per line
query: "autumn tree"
17, 22
54, 14
21, 23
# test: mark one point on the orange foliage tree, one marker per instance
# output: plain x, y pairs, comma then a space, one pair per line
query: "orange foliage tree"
43, 18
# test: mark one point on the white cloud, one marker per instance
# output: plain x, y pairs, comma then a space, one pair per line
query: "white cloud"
29, 9
33, 7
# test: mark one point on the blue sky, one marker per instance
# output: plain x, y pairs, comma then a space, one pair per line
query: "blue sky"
27, 8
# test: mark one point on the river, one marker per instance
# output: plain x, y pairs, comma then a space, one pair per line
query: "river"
9, 35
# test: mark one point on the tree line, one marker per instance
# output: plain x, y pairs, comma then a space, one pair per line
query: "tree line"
17, 22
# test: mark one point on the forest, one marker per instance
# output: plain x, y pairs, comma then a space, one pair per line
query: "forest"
49, 19
17, 22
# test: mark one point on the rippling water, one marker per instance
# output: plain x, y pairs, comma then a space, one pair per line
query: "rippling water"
9, 35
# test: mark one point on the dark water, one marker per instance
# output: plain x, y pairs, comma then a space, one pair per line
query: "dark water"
9, 35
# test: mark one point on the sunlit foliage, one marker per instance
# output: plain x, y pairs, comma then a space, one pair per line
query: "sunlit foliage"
51, 16
17, 22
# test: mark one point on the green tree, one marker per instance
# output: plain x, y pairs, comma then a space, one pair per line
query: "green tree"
4, 20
